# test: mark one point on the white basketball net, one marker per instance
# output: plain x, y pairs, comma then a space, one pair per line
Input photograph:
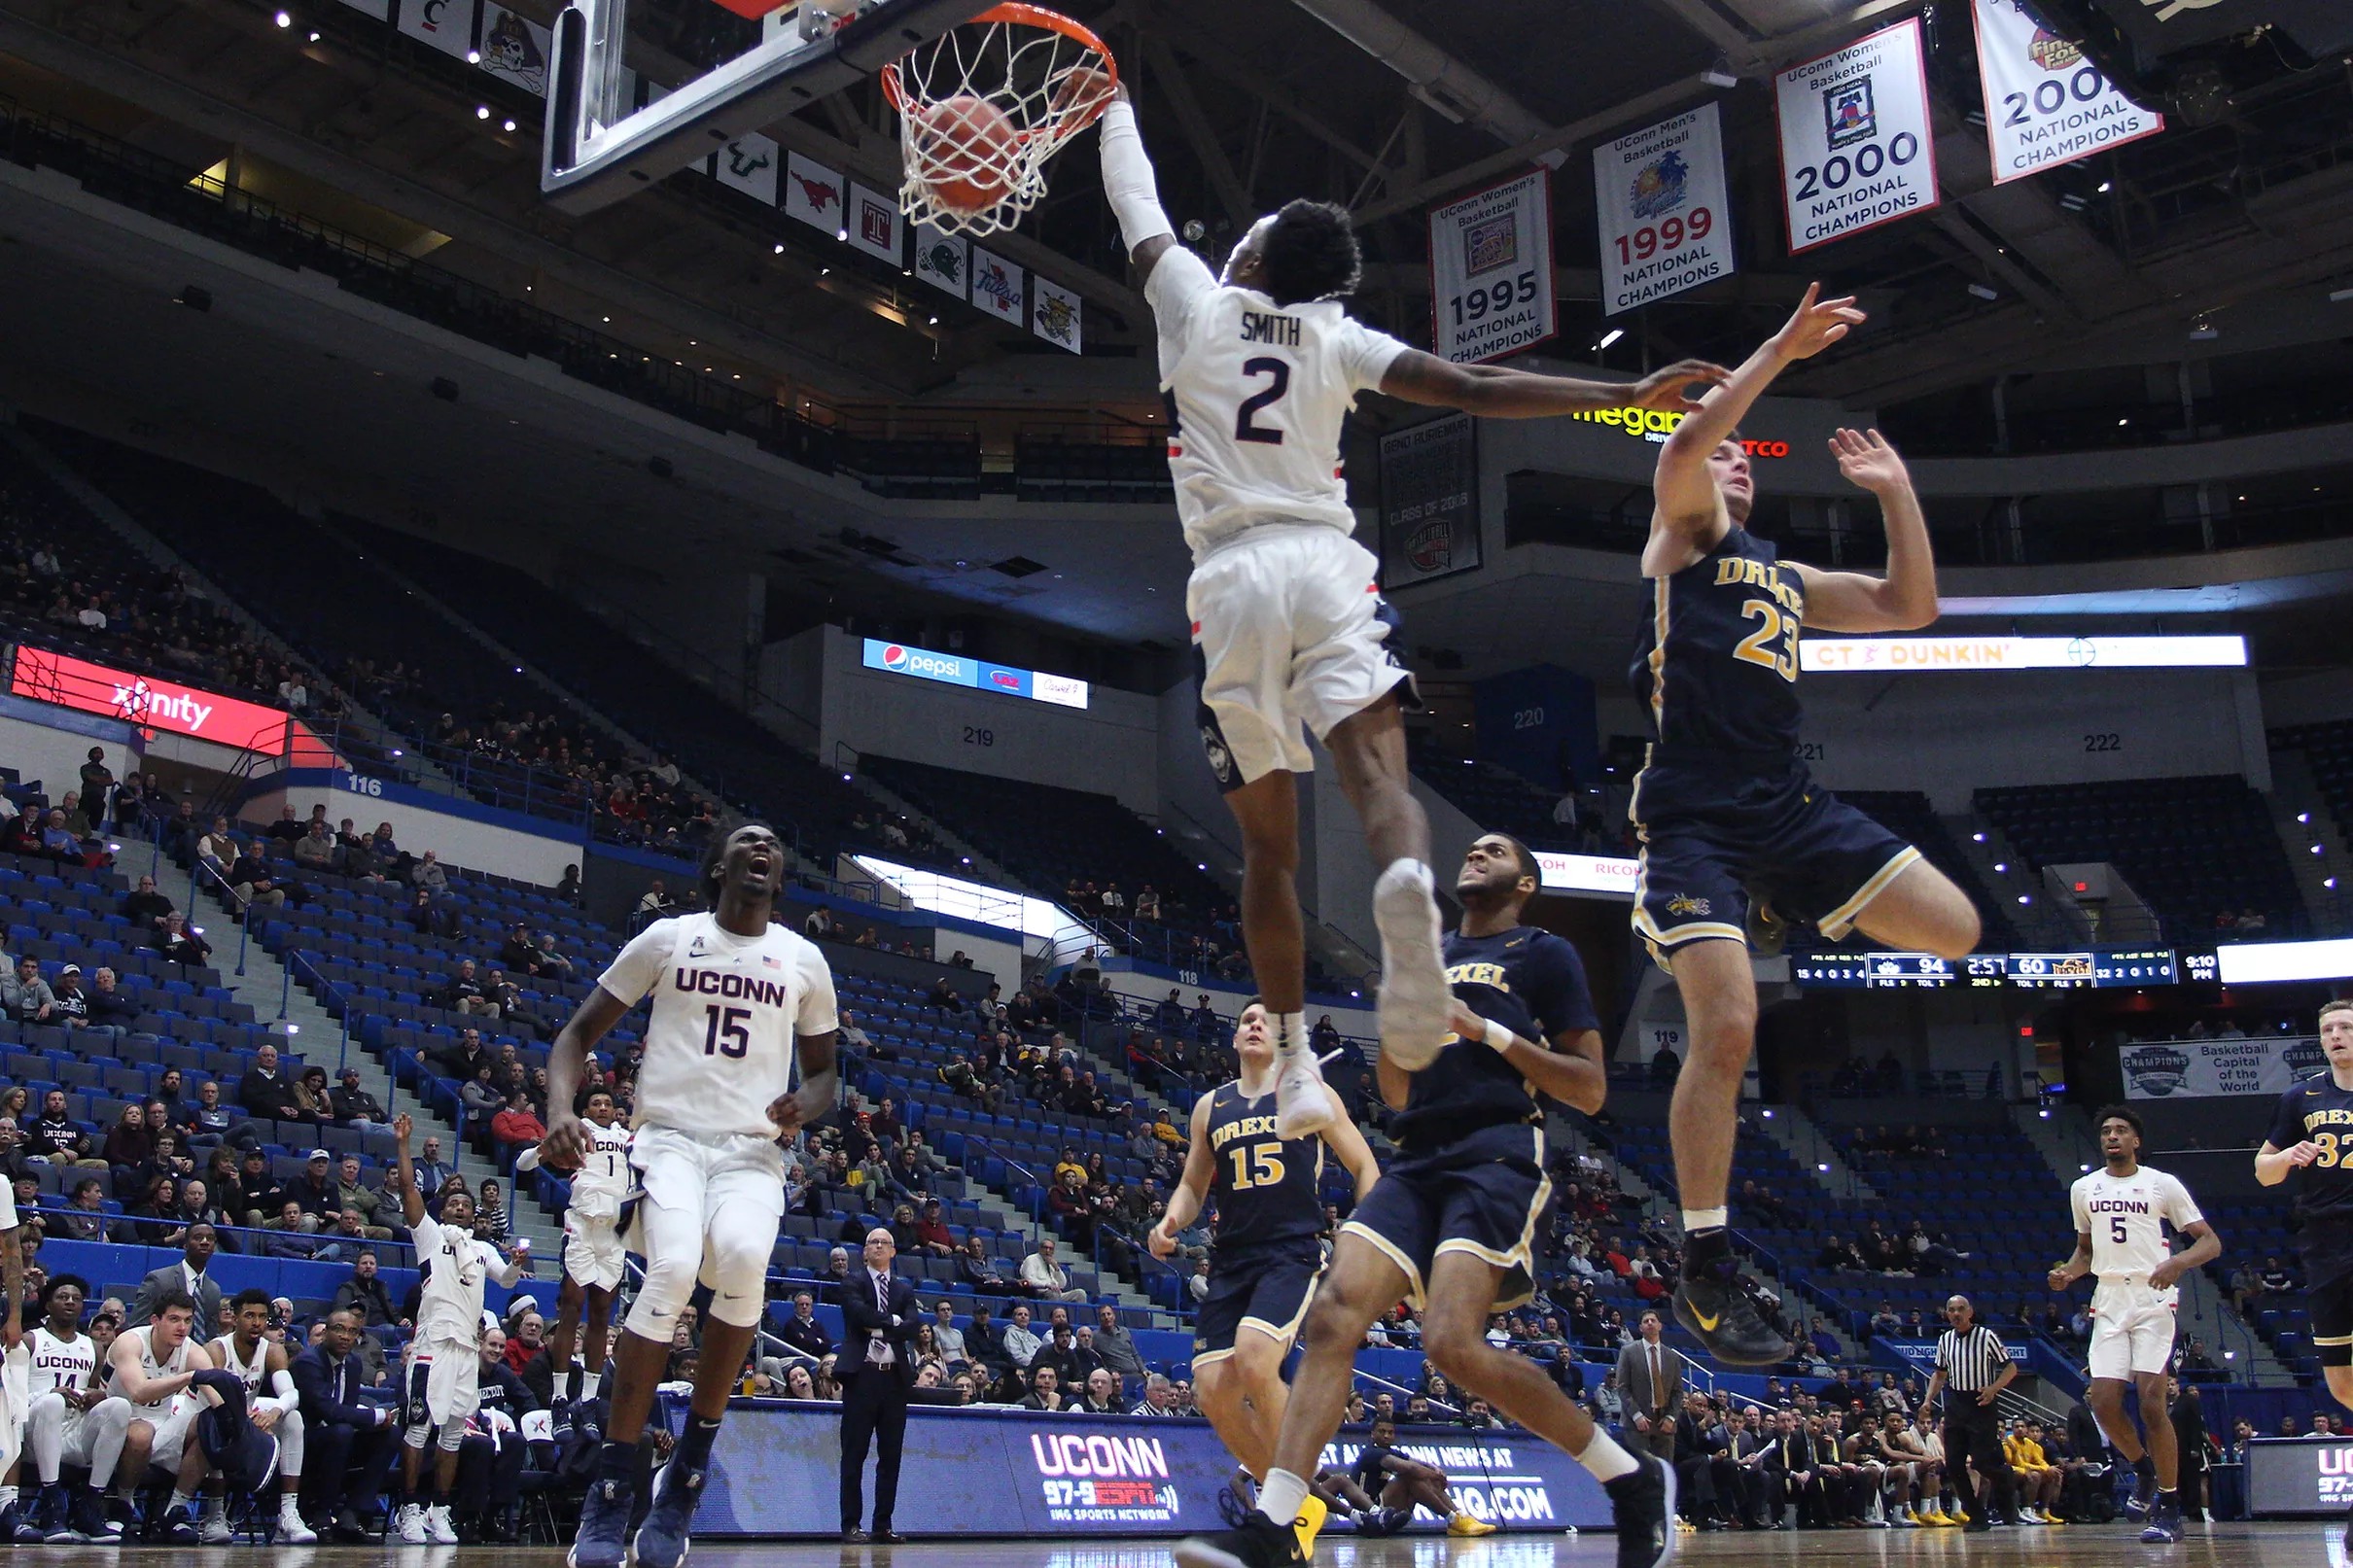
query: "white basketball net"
1015, 61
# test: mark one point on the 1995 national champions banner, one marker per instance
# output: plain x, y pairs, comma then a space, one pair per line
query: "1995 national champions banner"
1491, 265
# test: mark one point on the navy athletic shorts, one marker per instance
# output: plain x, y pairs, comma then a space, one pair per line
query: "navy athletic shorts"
1268, 1291
1483, 1193
1713, 836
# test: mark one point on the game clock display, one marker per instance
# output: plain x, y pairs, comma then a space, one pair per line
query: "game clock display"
2041, 971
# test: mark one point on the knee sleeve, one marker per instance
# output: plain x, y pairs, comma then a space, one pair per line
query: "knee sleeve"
673, 1251
290, 1444
109, 1424
736, 1268
44, 1435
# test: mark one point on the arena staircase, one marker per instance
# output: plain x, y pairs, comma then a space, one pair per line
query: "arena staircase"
2300, 810
1795, 1130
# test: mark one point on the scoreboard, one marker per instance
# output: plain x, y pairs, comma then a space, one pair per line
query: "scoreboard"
2040, 971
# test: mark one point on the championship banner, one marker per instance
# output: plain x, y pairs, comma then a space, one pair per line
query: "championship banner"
748, 164
514, 48
1490, 263
1429, 501
997, 286
2185, 1069
1665, 224
2046, 104
812, 193
1857, 150
941, 259
446, 24
874, 224
1057, 315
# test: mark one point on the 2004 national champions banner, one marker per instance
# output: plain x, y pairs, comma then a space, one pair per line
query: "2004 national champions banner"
2185, 1069
1491, 265
2046, 103
1665, 226
1857, 150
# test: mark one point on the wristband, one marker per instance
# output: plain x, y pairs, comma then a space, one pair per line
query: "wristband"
1498, 1039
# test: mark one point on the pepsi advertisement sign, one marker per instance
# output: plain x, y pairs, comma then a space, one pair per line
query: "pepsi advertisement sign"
955, 670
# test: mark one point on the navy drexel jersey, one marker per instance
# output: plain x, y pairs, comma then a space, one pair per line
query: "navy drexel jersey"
1265, 1189
1716, 656
1526, 979
2316, 1111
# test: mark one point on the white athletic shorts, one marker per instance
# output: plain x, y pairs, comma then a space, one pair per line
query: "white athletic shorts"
171, 1423
1289, 628
711, 1208
592, 1251
444, 1382
2131, 1330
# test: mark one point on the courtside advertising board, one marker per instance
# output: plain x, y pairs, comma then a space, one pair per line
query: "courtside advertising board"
1857, 149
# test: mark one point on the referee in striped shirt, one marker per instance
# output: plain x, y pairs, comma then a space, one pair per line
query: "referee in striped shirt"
1971, 1362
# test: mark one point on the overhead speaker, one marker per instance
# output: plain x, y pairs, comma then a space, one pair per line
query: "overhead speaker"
445, 388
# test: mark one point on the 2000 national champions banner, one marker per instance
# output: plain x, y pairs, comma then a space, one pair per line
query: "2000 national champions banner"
2184, 1069
1857, 150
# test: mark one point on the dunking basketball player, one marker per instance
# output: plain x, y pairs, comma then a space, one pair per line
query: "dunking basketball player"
1259, 368
1265, 1258
736, 999
1725, 810
1452, 1223
2311, 1145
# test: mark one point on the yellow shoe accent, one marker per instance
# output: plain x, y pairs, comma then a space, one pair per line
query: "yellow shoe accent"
1311, 1519
1464, 1524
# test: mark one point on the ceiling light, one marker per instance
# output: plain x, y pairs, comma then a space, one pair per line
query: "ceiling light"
1722, 80
2305, 817
841, 233
824, 272
1610, 337
314, 38
2204, 330
481, 111
509, 127
780, 249
934, 322
1984, 292
284, 19
2107, 185
2341, 296
2002, 866
1977, 838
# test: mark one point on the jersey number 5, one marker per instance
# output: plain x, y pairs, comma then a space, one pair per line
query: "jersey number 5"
1757, 646
723, 1031
1245, 419
2116, 1229
1257, 1167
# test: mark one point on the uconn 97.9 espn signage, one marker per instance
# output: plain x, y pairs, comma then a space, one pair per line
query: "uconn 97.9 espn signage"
775, 1472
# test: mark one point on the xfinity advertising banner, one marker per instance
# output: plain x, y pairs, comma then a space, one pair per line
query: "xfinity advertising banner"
2044, 103
1491, 265
1856, 146
991, 1473
2184, 1069
1429, 501
1665, 226
151, 703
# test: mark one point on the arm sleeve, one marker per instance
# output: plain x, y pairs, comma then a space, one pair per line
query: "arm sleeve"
635, 969
818, 1013
1365, 355
2288, 1121
282, 1390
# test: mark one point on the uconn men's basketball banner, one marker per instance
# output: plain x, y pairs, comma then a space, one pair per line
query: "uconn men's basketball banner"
1430, 501
1857, 150
1665, 226
1490, 267
2046, 104
2184, 1069
988, 1472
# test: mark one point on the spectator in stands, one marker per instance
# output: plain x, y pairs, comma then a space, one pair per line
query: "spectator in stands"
353, 1105
517, 1125
249, 877
291, 1231
311, 1096
463, 991
2246, 1290
490, 1214
110, 1011
180, 829
1044, 1279
429, 916
144, 907
1020, 1343
129, 1144
260, 1193
24, 995
208, 1118
179, 943
84, 1219
54, 1138
1840, 1254
354, 1197
266, 1095
427, 874
978, 1271
431, 1171
317, 1192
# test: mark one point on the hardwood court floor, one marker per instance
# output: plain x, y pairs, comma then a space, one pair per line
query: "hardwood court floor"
2313, 1545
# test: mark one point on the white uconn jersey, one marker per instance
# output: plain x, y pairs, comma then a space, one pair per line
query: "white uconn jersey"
450, 1306
61, 1363
2127, 1216
603, 1178
719, 1048
152, 1369
1257, 394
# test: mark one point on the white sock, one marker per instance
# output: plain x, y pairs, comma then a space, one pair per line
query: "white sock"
1290, 1035
1283, 1496
8, 1495
180, 1498
1412, 871
588, 1383
1605, 1459
1704, 1219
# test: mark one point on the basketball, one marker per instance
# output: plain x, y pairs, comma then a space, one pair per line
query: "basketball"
967, 147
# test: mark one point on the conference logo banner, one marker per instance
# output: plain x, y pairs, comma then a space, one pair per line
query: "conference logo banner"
997, 286
2046, 103
942, 260
1857, 151
1429, 501
1660, 199
749, 164
874, 224
2187, 1069
514, 48
1491, 265
446, 24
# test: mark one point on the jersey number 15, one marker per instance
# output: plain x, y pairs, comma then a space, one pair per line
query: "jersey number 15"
724, 1031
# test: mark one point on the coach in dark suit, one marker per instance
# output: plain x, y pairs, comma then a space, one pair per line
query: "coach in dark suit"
1650, 1377
876, 1368
192, 1274
350, 1445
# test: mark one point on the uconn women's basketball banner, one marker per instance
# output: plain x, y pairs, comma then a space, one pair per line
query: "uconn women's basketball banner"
1491, 271
1430, 501
2046, 104
2184, 1069
1018, 1472
1665, 226
1857, 150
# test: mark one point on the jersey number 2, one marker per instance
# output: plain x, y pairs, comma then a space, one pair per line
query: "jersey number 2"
1245, 425
1257, 1167
723, 1031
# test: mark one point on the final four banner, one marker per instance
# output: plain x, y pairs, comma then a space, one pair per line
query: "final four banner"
2046, 104
1665, 222
1857, 150
2185, 1069
1491, 265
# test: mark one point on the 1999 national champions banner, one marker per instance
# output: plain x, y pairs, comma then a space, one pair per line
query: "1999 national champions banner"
2184, 1069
